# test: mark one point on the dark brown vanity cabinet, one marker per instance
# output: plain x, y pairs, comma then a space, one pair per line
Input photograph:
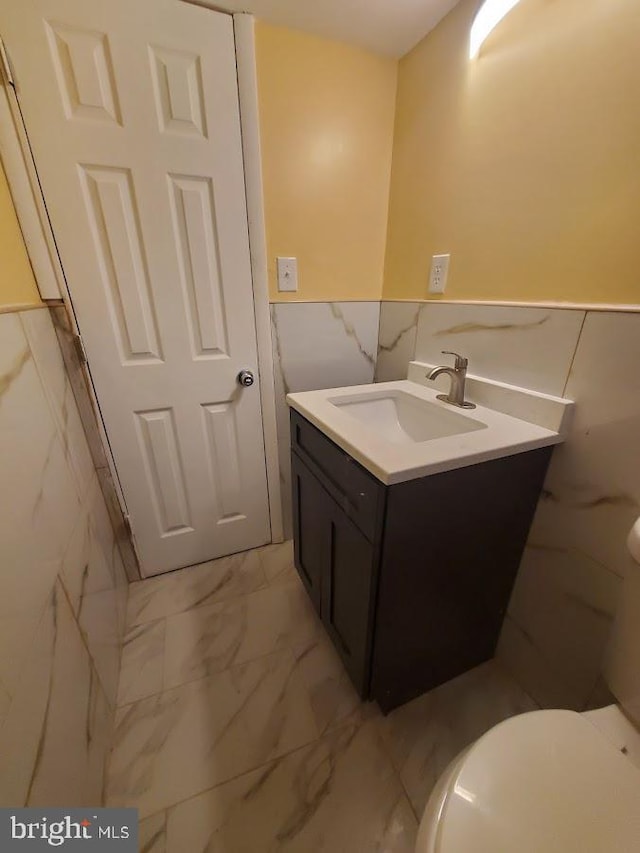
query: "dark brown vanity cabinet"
411, 580
334, 559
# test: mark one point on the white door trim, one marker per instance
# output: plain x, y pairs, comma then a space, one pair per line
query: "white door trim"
248, 95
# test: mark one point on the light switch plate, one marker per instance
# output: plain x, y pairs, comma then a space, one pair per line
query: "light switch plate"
287, 274
438, 274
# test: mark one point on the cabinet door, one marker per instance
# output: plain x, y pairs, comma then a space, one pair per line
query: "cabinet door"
310, 525
346, 594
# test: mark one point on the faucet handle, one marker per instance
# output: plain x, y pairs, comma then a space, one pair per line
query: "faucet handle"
461, 362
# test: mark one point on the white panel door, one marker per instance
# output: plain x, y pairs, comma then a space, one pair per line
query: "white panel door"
131, 107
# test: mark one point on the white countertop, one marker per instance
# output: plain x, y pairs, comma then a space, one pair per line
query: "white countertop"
504, 434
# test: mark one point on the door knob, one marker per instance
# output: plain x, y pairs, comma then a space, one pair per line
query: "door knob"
245, 378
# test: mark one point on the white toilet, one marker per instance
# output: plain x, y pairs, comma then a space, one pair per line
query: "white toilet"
552, 781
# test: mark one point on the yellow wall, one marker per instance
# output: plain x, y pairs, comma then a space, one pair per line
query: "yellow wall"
326, 125
17, 284
524, 164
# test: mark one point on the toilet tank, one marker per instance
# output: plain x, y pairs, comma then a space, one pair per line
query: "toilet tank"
622, 665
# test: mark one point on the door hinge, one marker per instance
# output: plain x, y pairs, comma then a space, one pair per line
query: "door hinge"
7, 71
80, 350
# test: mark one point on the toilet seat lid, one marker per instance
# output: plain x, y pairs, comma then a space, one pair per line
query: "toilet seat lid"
544, 781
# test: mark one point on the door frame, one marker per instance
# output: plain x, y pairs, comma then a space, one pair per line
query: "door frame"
244, 32
37, 232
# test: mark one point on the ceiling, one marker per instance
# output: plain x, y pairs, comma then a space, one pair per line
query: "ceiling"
388, 27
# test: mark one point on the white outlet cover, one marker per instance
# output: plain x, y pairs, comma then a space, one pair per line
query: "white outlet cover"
439, 273
287, 274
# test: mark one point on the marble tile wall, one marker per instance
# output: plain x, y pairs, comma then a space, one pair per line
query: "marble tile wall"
396, 340
527, 346
318, 345
568, 585
532, 347
570, 577
63, 587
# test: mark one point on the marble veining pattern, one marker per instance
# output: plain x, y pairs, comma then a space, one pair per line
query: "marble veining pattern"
424, 735
95, 581
251, 735
277, 562
56, 734
59, 624
339, 794
564, 601
531, 347
13, 369
351, 331
198, 585
324, 344
592, 492
42, 340
334, 701
86, 566
195, 736
397, 339
38, 504
518, 652
152, 834
318, 345
570, 577
141, 672
212, 638
465, 328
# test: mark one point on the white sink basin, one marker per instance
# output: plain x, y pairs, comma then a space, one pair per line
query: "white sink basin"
400, 430
403, 418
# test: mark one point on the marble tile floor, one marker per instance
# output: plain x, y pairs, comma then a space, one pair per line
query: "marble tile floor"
238, 729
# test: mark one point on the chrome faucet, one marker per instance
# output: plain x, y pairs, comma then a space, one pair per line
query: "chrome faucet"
458, 374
